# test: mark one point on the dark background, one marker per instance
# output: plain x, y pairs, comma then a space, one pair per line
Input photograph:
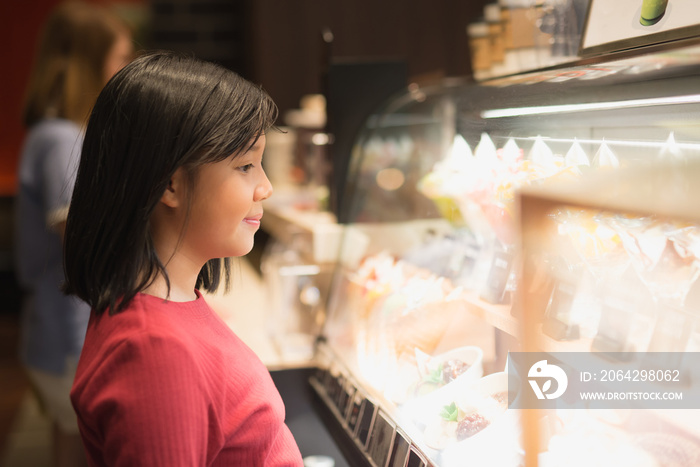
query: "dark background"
276, 43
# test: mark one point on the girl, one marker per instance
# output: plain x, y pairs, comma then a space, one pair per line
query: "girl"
170, 180
80, 48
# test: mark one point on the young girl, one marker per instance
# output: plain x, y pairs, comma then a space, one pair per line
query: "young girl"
80, 48
170, 180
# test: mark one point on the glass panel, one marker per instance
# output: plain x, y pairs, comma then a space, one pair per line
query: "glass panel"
427, 301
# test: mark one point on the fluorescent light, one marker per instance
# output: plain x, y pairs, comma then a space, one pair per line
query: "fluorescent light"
589, 106
299, 270
612, 142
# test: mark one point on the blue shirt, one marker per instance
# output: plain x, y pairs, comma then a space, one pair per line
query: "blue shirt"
53, 324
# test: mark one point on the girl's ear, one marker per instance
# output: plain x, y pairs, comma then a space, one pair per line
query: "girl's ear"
174, 194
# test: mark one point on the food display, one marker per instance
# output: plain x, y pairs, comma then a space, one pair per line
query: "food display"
441, 379
470, 411
478, 424
516, 221
402, 321
441, 370
490, 178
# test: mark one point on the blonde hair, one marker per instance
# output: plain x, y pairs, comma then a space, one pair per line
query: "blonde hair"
68, 71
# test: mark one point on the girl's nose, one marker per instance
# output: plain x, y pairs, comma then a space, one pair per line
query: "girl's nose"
264, 189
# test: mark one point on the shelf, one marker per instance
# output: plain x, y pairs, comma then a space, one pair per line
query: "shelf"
498, 316
620, 191
548, 344
656, 57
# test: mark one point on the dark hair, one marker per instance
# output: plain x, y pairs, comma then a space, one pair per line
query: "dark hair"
68, 70
161, 112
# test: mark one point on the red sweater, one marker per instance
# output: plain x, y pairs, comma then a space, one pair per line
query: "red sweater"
169, 384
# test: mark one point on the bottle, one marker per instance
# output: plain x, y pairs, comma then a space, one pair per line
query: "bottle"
507, 24
492, 15
526, 45
479, 46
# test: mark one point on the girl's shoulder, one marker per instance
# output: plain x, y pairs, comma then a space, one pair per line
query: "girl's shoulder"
147, 323
151, 315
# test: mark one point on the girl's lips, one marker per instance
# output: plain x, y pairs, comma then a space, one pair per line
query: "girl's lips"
254, 220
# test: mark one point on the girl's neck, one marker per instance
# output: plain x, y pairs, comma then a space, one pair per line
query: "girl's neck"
181, 264
159, 289
182, 278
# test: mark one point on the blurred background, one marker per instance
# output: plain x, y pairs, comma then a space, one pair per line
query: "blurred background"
308, 54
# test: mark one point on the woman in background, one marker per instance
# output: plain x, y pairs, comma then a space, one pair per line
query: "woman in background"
80, 48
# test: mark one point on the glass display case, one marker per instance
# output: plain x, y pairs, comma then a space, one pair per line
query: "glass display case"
521, 214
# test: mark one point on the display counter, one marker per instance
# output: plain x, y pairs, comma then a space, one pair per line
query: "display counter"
550, 212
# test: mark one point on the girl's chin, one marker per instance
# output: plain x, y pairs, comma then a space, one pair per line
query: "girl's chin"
241, 250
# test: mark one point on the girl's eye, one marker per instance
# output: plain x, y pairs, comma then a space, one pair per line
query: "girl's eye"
246, 168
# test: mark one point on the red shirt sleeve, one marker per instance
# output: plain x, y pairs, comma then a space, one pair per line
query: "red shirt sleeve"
147, 406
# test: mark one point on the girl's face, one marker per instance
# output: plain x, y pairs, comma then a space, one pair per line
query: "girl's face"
227, 205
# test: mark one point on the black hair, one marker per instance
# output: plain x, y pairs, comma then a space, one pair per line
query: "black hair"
161, 112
